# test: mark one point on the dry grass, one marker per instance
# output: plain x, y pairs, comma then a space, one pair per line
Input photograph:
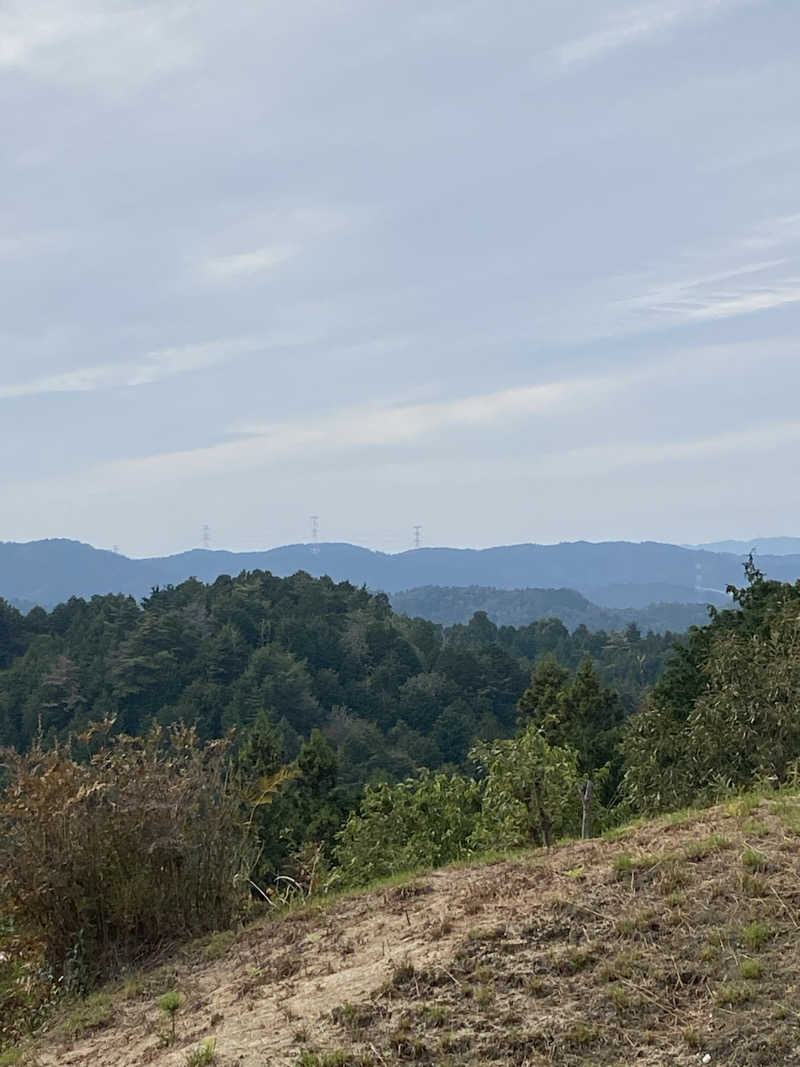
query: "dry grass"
653, 948
106, 860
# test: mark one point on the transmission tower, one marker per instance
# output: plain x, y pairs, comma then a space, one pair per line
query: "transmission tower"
417, 537
206, 532
315, 534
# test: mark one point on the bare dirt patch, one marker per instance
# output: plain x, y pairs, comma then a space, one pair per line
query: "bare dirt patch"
664, 946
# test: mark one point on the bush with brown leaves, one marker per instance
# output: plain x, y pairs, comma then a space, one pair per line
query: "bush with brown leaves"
106, 859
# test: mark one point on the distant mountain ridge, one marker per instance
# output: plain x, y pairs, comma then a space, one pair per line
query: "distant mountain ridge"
770, 546
614, 574
519, 607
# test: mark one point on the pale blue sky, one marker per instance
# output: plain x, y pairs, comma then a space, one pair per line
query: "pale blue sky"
526, 270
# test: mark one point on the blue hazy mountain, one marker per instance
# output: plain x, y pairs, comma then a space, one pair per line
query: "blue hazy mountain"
766, 546
616, 574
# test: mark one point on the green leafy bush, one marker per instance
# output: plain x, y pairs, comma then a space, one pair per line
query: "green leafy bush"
530, 794
107, 858
527, 797
171, 1003
724, 715
422, 822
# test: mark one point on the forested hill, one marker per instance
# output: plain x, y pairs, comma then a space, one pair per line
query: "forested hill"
390, 693
518, 607
612, 574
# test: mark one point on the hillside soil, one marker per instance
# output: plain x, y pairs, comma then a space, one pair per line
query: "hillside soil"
674, 943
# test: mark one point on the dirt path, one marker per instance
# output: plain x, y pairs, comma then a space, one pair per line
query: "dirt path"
275, 989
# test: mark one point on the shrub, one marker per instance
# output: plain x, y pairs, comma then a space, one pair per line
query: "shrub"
107, 858
530, 795
723, 716
527, 795
751, 969
733, 994
754, 860
423, 822
203, 1054
756, 934
171, 1003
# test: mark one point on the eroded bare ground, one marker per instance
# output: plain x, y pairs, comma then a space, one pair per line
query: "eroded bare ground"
675, 944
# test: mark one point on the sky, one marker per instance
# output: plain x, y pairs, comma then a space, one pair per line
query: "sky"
512, 271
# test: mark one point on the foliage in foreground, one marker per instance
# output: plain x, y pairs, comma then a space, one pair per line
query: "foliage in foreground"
526, 795
27, 986
724, 716
422, 822
107, 858
529, 792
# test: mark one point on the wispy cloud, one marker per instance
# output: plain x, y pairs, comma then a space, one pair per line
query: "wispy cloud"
711, 282
260, 445
393, 429
637, 25
94, 41
764, 437
243, 264
725, 305
586, 430
151, 367
409, 423
289, 233
350, 443
597, 461
773, 232
700, 299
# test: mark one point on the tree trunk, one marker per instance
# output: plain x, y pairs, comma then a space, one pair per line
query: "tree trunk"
544, 815
585, 792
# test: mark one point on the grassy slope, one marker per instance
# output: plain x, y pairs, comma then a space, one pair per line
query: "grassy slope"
672, 942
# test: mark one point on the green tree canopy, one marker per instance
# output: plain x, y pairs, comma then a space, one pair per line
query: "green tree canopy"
725, 713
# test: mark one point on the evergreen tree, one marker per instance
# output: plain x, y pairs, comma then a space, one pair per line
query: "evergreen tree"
540, 700
261, 753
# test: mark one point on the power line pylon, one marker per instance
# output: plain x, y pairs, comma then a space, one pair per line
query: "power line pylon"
315, 534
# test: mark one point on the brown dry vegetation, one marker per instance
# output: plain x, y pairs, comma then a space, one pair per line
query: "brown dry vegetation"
138, 845
674, 941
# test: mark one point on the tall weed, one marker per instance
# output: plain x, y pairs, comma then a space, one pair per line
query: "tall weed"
107, 858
